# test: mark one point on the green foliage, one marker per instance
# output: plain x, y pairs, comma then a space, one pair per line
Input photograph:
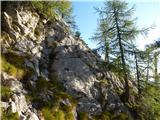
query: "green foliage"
42, 84
112, 116
13, 68
121, 116
147, 106
152, 102
51, 108
10, 116
47, 114
69, 116
104, 82
59, 115
116, 68
77, 34
115, 33
56, 114
64, 95
83, 116
17, 61
103, 116
51, 8
5, 92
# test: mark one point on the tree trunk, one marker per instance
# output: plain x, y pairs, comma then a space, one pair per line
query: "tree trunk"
147, 76
155, 67
137, 73
122, 58
106, 53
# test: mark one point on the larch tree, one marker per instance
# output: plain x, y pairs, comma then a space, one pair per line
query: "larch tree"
101, 37
155, 53
54, 8
117, 28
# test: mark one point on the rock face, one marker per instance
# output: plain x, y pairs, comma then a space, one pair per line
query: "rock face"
17, 101
53, 53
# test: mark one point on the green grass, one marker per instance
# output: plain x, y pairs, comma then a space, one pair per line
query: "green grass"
52, 109
47, 114
56, 114
14, 65
59, 115
103, 116
110, 116
5, 92
121, 116
11, 68
10, 116
69, 116
83, 116
105, 82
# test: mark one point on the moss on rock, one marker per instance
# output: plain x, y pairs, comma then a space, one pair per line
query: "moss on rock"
5, 93
83, 116
11, 68
10, 116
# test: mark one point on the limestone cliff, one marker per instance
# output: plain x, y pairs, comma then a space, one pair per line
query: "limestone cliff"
47, 73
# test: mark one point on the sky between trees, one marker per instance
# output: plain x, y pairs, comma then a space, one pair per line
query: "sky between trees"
147, 13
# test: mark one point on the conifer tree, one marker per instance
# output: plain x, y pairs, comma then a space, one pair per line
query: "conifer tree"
117, 29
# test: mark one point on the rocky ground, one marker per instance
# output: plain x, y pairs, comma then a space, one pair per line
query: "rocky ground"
47, 72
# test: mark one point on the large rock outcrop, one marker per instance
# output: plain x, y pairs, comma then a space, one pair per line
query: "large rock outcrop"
54, 54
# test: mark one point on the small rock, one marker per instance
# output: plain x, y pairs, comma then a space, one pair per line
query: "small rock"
4, 105
33, 116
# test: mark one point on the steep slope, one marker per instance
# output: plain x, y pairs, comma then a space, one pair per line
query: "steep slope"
49, 74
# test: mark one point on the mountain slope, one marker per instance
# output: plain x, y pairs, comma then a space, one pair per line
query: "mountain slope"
49, 74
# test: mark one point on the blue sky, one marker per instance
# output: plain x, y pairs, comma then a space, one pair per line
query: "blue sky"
147, 12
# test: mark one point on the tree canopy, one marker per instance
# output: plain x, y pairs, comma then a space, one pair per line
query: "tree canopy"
116, 31
52, 8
